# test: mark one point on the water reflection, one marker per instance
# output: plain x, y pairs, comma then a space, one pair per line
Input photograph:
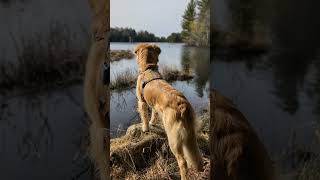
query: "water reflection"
282, 84
38, 128
197, 59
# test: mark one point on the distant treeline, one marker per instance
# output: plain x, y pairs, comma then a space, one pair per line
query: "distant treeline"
130, 35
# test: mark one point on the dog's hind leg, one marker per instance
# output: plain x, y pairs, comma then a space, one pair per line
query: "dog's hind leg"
175, 134
143, 111
191, 152
177, 150
154, 117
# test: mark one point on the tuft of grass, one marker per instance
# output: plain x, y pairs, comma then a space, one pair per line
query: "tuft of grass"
116, 55
44, 60
310, 170
124, 80
173, 74
127, 79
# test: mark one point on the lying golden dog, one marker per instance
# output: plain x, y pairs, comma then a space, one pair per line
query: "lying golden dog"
236, 151
177, 114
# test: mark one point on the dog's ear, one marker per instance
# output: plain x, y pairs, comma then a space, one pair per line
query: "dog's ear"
156, 49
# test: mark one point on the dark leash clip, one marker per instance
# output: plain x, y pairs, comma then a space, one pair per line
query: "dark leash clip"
106, 74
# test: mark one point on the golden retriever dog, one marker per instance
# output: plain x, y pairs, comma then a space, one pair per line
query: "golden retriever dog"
95, 89
172, 106
236, 151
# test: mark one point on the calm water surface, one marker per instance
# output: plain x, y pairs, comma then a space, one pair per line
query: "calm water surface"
278, 91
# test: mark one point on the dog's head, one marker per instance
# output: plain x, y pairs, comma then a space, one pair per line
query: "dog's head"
147, 55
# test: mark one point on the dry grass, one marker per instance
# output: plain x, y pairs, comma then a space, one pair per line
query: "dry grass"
124, 80
138, 155
310, 170
173, 74
116, 55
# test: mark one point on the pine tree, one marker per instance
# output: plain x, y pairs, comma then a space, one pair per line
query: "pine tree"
188, 18
204, 21
204, 8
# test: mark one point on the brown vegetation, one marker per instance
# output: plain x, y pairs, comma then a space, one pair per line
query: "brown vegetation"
140, 155
116, 55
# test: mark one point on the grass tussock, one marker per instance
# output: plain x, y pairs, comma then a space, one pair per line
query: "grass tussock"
116, 55
139, 155
124, 80
127, 79
173, 74
44, 60
310, 170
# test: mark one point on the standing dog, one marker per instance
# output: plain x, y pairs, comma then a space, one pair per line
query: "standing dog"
177, 114
236, 151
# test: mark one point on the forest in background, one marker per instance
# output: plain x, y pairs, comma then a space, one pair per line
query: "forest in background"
130, 35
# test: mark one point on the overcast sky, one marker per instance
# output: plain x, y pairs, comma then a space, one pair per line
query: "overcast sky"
161, 17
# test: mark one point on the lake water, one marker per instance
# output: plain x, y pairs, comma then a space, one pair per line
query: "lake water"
124, 103
278, 91
43, 136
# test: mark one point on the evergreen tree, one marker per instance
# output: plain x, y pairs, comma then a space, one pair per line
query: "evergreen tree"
188, 17
196, 24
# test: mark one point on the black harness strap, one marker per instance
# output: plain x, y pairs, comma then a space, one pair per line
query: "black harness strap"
148, 76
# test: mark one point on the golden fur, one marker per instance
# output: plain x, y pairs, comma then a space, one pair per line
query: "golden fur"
94, 89
236, 151
176, 112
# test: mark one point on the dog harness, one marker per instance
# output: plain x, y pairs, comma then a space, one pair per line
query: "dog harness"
148, 76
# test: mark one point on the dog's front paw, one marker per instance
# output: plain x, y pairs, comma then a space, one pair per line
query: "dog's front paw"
145, 128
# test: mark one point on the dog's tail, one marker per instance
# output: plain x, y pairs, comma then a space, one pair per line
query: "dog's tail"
190, 148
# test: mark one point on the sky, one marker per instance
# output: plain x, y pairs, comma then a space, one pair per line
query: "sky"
161, 17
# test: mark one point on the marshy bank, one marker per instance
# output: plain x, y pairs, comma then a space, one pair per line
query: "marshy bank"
128, 79
138, 155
